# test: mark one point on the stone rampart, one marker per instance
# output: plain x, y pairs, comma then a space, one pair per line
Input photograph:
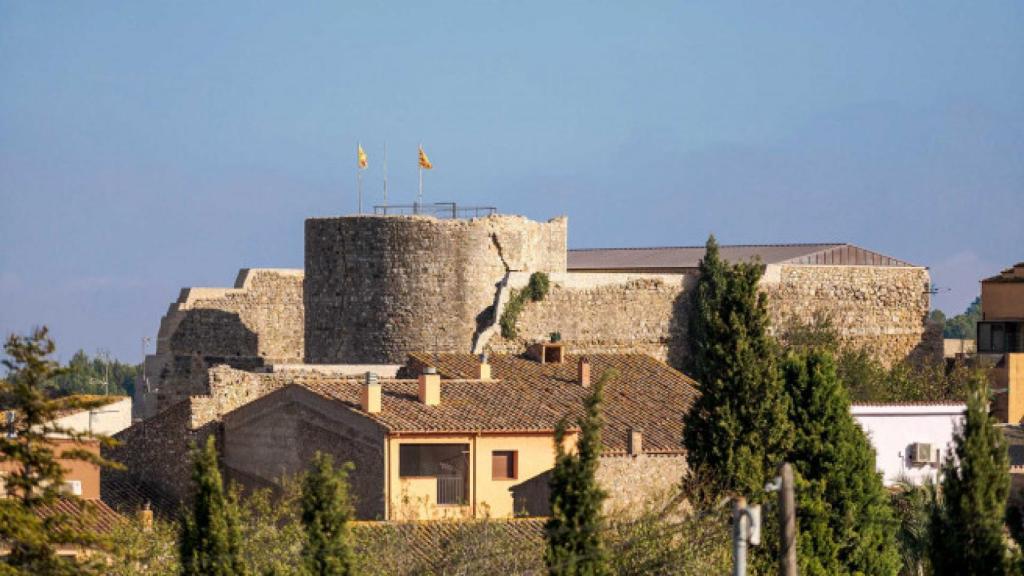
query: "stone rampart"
882, 309
379, 287
606, 313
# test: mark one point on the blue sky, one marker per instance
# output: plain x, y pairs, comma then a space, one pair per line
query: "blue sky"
150, 146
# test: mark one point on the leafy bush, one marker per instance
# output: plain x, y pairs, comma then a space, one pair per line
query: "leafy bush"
535, 291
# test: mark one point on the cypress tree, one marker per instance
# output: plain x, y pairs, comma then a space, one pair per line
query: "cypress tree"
573, 533
846, 523
211, 532
737, 432
967, 527
326, 512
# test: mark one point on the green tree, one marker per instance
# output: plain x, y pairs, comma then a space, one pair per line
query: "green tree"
85, 375
326, 512
210, 540
738, 428
573, 533
962, 325
36, 478
846, 522
967, 525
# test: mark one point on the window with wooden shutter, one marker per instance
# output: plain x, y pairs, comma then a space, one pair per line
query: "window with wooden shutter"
504, 465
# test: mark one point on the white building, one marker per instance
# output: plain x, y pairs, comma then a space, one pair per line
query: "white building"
108, 419
910, 439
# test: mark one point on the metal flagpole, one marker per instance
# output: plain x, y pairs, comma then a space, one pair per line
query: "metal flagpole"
419, 195
385, 177
359, 177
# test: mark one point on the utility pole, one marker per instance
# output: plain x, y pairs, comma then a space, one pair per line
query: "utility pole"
104, 355
746, 531
787, 521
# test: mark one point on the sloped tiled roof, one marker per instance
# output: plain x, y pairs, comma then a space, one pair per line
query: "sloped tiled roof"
688, 257
525, 396
94, 515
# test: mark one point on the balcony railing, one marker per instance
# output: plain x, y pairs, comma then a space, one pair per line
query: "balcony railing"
451, 490
437, 209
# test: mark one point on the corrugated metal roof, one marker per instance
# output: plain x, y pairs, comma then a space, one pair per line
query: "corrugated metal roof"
688, 257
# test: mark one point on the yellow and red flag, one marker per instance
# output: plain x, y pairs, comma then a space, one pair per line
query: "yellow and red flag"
362, 156
424, 161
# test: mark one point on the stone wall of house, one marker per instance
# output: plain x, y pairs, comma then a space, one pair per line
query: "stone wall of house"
606, 313
633, 481
377, 288
630, 482
278, 435
882, 309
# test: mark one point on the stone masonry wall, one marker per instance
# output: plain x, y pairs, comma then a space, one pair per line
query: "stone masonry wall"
633, 481
378, 287
607, 313
883, 309
258, 321
880, 308
261, 316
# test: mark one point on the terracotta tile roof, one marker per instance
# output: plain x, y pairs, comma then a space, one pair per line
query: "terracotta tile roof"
92, 514
440, 546
127, 495
525, 395
687, 257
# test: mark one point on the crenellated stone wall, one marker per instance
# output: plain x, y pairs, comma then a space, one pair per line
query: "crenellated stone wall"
380, 287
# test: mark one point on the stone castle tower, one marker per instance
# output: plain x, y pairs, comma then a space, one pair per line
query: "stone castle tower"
377, 288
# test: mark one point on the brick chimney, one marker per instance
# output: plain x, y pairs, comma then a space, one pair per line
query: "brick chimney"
484, 368
146, 517
583, 372
430, 386
369, 395
636, 442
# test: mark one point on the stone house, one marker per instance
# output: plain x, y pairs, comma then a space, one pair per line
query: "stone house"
448, 436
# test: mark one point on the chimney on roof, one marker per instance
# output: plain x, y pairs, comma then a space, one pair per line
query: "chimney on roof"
369, 394
430, 386
636, 441
484, 368
146, 518
583, 372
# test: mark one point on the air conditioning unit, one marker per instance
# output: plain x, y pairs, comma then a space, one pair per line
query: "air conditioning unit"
921, 453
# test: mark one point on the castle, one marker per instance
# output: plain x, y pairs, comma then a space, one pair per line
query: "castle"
377, 288
397, 346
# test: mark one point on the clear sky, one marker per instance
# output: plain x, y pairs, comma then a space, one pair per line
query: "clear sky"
146, 146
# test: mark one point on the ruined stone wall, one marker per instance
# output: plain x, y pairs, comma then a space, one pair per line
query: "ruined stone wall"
377, 287
262, 316
882, 309
607, 313
259, 321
